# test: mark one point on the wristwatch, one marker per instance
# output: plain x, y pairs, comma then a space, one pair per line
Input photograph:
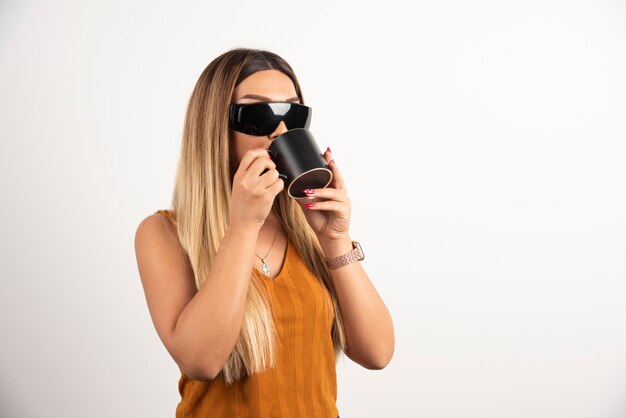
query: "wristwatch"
355, 255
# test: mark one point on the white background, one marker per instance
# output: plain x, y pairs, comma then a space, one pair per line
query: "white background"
483, 146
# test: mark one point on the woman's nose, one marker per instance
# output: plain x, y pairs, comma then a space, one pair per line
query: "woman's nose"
280, 129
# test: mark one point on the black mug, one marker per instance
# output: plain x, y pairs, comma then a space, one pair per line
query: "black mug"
299, 162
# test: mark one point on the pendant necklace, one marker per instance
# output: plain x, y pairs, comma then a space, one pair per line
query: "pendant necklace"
264, 266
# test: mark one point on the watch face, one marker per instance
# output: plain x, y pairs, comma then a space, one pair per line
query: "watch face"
357, 246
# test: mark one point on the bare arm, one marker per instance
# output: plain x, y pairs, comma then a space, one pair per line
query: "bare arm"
367, 322
199, 328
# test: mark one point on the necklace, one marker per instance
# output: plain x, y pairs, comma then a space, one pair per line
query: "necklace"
264, 266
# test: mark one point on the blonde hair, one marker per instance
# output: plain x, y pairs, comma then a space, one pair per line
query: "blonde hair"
201, 199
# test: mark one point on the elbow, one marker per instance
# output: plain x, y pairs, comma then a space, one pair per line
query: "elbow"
378, 363
201, 370
205, 377
210, 370
205, 365
202, 374
372, 361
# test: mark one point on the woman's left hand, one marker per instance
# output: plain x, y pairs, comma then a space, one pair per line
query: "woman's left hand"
330, 214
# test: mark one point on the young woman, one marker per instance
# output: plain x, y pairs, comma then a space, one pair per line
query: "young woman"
253, 293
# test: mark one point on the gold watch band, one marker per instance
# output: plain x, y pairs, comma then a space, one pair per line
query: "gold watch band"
351, 256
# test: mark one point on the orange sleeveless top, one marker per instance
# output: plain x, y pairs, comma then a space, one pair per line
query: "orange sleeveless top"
303, 383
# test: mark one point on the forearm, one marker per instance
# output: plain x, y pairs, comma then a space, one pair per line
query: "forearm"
367, 322
208, 327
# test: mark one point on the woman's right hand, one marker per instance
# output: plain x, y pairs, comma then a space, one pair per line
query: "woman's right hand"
253, 194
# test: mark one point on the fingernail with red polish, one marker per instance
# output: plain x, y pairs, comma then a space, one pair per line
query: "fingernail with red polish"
309, 205
308, 191
328, 149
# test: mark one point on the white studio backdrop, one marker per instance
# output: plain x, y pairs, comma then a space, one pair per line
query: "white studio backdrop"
483, 147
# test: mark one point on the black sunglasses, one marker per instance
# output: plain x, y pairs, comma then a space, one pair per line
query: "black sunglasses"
263, 118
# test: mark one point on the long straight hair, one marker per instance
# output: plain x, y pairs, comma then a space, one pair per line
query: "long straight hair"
201, 199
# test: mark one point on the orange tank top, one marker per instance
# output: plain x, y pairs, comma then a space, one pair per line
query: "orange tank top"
303, 383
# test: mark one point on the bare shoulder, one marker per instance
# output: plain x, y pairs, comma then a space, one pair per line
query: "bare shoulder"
166, 274
157, 234
157, 225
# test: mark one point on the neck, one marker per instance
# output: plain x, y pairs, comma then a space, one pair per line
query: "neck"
272, 219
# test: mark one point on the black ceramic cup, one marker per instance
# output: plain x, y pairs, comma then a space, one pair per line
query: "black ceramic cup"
299, 162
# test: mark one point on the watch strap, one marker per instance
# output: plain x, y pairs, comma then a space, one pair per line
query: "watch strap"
355, 255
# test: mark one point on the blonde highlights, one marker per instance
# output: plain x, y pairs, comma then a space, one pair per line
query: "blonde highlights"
201, 202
